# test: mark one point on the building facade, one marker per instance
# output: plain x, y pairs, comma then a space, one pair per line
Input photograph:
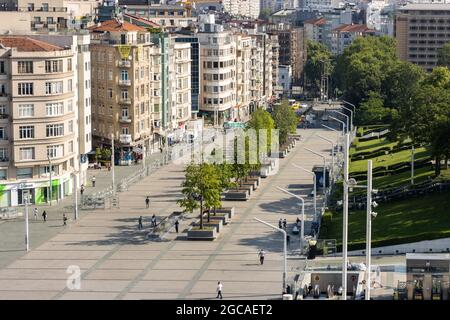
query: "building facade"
344, 35
421, 30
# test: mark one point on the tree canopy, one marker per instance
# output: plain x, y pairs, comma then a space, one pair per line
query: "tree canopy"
285, 121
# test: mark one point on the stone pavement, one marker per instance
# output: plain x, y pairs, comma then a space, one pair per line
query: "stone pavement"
117, 262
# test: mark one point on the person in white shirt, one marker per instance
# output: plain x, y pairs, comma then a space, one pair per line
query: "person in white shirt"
219, 290
35, 213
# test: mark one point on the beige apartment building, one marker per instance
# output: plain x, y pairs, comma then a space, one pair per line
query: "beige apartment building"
122, 91
39, 120
56, 15
217, 72
244, 59
421, 30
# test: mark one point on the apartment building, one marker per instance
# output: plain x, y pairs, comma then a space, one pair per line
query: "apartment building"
218, 71
314, 29
248, 8
122, 56
55, 15
344, 35
244, 90
421, 30
39, 129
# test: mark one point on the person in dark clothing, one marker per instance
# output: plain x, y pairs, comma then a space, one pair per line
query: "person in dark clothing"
147, 202
176, 225
261, 255
82, 189
44, 215
140, 226
64, 220
288, 240
284, 224
309, 289
280, 223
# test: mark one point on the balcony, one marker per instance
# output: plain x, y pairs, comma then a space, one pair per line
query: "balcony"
4, 159
126, 83
125, 119
4, 116
52, 26
125, 138
125, 63
126, 101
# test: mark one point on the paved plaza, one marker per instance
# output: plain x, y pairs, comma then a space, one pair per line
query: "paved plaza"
118, 262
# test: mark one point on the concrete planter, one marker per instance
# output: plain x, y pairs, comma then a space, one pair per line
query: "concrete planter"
216, 224
256, 180
207, 235
251, 184
265, 171
218, 217
245, 187
226, 210
237, 195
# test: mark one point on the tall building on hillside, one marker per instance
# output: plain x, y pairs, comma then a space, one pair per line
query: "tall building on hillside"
344, 35
39, 123
122, 63
249, 8
421, 30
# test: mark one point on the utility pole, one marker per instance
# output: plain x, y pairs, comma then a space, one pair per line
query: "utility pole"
50, 171
27, 234
368, 228
112, 164
75, 196
345, 218
412, 163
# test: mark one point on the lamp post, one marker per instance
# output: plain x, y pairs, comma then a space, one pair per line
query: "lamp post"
50, 171
26, 193
338, 131
315, 186
343, 124
351, 117
302, 231
350, 104
346, 117
345, 218
284, 249
112, 165
75, 198
324, 174
332, 154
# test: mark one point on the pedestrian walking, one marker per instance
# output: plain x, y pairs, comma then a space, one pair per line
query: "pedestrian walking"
261, 255
44, 215
219, 290
140, 226
288, 240
176, 225
309, 289
298, 221
93, 181
280, 223
147, 202
82, 189
284, 224
153, 221
64, 220
35, 213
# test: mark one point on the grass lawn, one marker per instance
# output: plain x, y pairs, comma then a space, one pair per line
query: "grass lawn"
411, 220
372, 145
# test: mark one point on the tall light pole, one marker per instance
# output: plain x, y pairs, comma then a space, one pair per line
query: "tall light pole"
332, 154
350, 104
284, 249
412, 163
346, 117
351, 117
345, 218
324, 174
315, 186
302, 231
27, 234
112, 164
338, 136
340, 121
50, 171
75, 195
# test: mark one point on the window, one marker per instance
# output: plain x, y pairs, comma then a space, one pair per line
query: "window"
53, 66
2, 133
69, 106
26, 132
26, 110
26, 154
25, 67
125, 130
24, 173
55, 130
70, 146
69, 85
110, 75
2, 67
123, 75
124, 94
55, 151
53, 87
71, 126
54, 109
25, 88
110, 93
69, 64
3, 175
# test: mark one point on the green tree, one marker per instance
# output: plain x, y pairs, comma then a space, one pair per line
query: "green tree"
265, 14
262, 119
201, 188
285, 121
318, 61
373, 111
444, 56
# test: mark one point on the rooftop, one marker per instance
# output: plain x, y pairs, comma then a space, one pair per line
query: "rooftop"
354, 28
26, 44
426, 6
142, 20
116, 25
316, 22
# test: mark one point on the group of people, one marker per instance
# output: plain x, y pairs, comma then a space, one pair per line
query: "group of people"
45, 215
152, 222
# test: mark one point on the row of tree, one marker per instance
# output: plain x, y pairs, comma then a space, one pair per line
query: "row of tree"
387, 90
205, 182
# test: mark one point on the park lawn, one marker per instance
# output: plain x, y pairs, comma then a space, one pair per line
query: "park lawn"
372, 145
389, 159
404, 221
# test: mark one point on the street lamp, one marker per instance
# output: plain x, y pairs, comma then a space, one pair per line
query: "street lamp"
75, 193
343, 124
26, 194
345, 217
350, 104
284, 249
315, 186
112, 165
351, 117
347, 119
324, 174
50, 171
338, 131
302, 231
332, 154
369, 216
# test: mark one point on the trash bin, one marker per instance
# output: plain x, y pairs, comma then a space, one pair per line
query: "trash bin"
288, 297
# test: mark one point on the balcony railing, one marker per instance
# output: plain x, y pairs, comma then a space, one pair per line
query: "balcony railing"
43, 9
125, 101
125, 64
4, 116
4, 159
124, 82
125, 119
